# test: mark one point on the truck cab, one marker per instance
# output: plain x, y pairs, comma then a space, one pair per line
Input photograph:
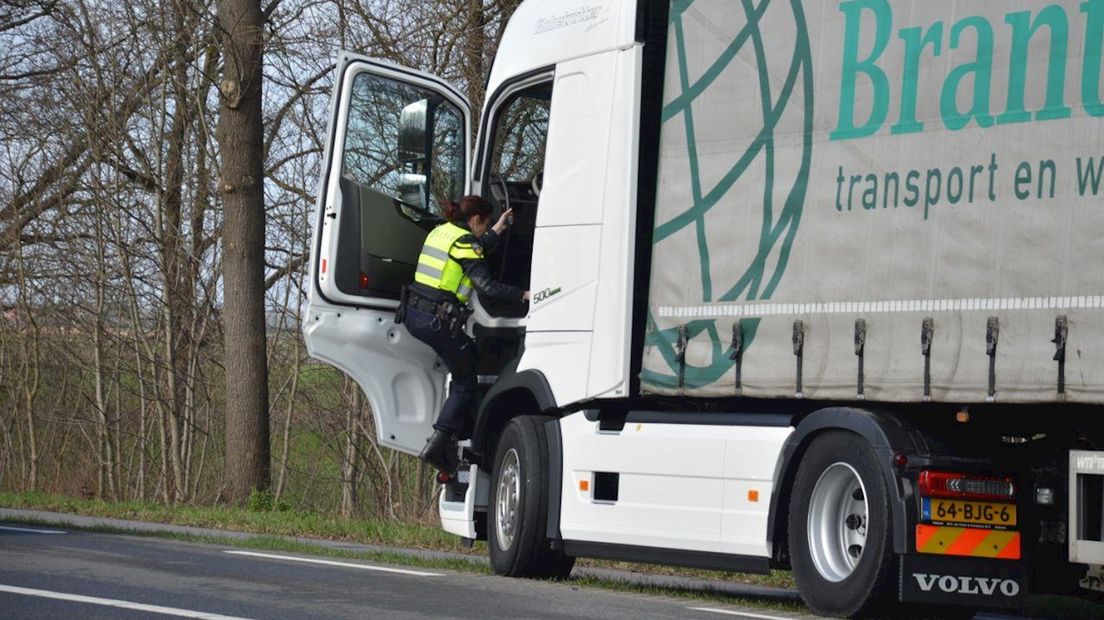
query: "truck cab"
557, 143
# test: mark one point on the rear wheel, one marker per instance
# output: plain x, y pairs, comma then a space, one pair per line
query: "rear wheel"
839, 529
518, 512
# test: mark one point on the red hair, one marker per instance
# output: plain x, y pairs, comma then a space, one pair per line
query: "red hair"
461, 211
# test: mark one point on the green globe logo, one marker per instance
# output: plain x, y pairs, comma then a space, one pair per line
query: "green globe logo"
705, 92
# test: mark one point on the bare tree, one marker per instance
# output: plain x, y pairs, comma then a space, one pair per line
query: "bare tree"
133, 351
241, 139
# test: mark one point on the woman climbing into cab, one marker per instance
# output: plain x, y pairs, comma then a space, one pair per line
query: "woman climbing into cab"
436, 308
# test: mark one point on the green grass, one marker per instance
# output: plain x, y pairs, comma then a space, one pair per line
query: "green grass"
776, 578
278, 543
272, 522
699, 595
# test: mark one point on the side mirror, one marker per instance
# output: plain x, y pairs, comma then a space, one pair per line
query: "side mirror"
414, 133
412, 192
414, 149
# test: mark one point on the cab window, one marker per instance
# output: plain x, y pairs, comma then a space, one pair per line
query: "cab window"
513, 177
404, 142
403, 158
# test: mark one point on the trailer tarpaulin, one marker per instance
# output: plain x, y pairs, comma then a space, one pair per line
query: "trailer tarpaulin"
891, 201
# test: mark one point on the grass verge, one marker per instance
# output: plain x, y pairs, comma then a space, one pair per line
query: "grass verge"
274, 522
278, 543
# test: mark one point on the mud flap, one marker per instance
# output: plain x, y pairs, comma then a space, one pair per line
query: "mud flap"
944, 580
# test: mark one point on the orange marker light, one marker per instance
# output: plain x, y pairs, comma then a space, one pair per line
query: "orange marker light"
323, 265
584, 485
753, 495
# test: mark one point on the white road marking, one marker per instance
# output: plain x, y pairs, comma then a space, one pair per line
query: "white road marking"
109, 602
382, 569
29, 530
743, 614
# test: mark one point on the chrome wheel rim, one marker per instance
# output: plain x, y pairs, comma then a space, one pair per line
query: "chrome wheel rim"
506, 499
837, 522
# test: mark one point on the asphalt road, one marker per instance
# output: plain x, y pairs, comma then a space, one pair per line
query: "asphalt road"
57, 573
51, 571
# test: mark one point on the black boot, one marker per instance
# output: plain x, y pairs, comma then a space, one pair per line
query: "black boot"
440, 451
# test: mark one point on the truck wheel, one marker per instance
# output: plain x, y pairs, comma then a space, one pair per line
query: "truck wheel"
519, 504
839, 529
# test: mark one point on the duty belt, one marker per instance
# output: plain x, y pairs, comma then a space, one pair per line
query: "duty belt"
423, 304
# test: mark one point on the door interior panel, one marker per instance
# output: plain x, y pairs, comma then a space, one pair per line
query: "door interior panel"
371, 219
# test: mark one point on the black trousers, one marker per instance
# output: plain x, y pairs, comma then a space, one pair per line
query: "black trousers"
459, 354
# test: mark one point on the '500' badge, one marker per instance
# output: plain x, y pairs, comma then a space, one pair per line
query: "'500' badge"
545, 294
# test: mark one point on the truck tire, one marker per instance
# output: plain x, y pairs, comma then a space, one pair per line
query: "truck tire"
839, 529
518, 508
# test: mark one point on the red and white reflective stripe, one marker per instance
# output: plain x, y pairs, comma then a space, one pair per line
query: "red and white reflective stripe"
968, 541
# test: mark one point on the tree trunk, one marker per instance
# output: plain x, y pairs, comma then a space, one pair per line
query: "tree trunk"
350, 464
106, 479
140, 345
178, 301
31, 369
241, 139
474, 46
296, 368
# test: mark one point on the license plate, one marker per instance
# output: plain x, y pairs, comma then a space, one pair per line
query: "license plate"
973, 513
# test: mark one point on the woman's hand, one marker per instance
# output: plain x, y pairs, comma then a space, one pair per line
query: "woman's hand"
503, 221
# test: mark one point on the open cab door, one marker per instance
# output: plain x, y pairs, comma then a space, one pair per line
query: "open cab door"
397, 150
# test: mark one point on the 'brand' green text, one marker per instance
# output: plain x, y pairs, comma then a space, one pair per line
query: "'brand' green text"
924, 43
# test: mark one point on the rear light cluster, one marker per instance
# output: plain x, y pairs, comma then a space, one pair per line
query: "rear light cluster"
945, 484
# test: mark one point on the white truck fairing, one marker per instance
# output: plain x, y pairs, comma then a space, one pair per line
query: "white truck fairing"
582, 256
702, 487
542, 34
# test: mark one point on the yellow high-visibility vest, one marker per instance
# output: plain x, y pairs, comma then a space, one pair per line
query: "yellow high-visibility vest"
437, 264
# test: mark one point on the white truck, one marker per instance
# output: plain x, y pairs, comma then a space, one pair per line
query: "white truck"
815, 285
